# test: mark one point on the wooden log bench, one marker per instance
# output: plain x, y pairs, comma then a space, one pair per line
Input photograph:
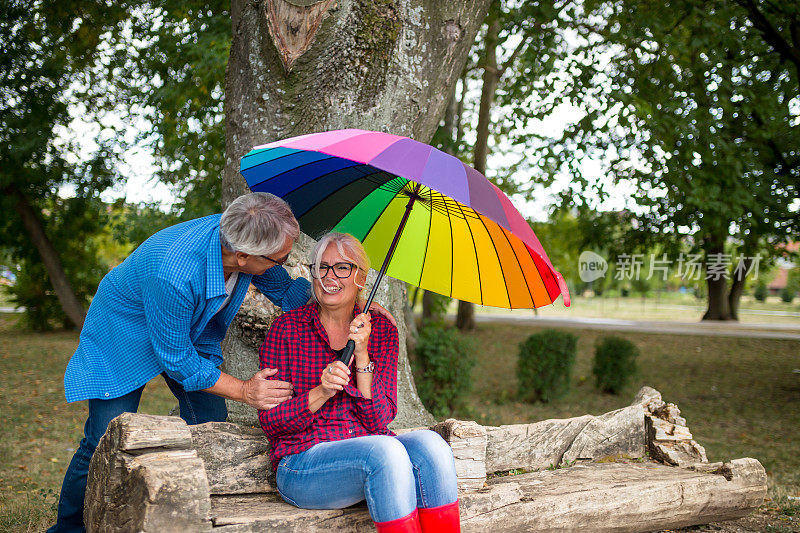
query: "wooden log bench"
634, 469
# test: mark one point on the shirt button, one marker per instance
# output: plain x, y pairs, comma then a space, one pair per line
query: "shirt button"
106, 395
349, 430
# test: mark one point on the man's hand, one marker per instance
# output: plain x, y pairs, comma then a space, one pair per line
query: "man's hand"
263, 393
377, 308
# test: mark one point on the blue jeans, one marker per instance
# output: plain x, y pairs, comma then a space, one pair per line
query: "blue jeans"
395, 475
195, 408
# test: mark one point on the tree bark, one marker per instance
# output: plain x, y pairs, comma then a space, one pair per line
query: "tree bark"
737, 287
384, 65
55, 271
718, 306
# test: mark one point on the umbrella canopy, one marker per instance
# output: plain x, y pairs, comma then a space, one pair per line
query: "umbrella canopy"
462, 237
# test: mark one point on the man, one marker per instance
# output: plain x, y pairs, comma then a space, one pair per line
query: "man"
165, 310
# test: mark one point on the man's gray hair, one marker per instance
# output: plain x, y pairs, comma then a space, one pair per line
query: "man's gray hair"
349, 248
257, 224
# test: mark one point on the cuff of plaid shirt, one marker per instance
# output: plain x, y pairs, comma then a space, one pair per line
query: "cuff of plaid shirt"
291, 416
353, 391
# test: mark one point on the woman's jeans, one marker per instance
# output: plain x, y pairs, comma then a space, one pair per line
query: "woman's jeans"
195, 408
394, 474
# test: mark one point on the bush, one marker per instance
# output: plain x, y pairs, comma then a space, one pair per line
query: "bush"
760, 291
544, 365
614, 363
787, 294
444, 362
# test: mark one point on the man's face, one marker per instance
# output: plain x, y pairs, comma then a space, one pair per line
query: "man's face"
258, 264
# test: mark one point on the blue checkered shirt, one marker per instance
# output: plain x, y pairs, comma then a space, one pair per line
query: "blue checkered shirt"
157, 312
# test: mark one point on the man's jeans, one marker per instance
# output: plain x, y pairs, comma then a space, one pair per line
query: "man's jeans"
394, 474
195, 408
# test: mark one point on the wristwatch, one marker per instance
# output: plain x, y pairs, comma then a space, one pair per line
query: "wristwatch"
367, 369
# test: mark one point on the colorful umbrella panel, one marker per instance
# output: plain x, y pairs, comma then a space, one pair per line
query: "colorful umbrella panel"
463, 237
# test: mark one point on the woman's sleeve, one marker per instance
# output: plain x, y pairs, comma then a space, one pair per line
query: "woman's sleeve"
293, 415
376, 413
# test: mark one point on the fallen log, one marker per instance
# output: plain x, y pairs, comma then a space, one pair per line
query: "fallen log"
587, 473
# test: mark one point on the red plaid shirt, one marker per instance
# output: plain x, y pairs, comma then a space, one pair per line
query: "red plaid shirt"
297, 345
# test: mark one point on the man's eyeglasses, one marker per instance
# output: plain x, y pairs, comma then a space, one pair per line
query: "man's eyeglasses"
278, 262
340, 270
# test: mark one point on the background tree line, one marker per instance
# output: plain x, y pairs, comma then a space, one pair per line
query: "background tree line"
693, 106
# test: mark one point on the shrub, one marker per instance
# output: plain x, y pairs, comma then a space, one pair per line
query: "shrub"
760, 291
614, 363
787, 294
544, 365
444, 362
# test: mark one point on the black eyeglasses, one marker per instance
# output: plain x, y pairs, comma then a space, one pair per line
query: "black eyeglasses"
340, 270
279, 262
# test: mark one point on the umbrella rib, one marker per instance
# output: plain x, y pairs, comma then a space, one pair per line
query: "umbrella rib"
427, 242
358, 167
519, 263
452, 258
271, 161
377, 217
477, 263
499, 262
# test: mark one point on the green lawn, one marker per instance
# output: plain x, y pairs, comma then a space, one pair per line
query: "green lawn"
741, 397
669, 306
40, 431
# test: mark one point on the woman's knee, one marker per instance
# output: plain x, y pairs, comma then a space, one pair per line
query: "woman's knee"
388, 453
426, 446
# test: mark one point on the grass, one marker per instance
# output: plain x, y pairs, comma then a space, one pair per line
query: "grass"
41, 431
669, 306
741, 398
5, 297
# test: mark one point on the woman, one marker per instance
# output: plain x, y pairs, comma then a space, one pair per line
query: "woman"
330, 445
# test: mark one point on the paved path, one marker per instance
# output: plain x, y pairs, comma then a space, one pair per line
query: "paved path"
722, 329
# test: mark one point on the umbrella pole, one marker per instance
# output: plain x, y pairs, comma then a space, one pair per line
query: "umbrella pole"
347, 354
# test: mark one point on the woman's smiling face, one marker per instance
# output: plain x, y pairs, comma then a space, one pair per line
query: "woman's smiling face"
332, 291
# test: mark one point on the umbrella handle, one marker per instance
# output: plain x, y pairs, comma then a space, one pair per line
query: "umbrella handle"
347, 353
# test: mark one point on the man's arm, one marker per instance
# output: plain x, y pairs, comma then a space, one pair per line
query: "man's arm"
285, 292
168, 313
258, 391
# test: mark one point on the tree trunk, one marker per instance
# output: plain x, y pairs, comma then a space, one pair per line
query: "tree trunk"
465, 317
718, 307
305, 67
737, 287
55, 271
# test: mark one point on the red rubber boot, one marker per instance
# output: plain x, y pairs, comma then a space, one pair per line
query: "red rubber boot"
442, 519
406, 524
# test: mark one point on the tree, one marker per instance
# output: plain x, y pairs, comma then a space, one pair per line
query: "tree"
171, 65
694, 106
49, 61
375, 65
515, 35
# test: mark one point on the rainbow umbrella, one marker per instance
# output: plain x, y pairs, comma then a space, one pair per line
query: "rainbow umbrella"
426, 217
